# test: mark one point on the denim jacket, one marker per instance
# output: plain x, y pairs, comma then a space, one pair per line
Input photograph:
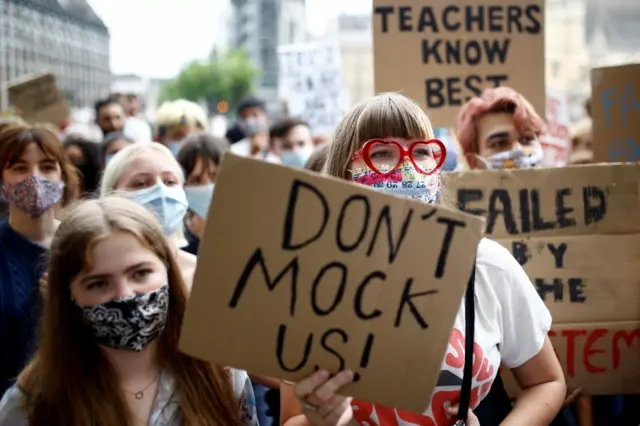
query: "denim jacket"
164, 412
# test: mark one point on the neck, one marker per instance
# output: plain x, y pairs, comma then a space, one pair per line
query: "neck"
133, 368
39, 229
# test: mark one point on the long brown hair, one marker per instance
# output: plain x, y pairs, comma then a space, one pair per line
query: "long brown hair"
16, 137
69, 381
381, 116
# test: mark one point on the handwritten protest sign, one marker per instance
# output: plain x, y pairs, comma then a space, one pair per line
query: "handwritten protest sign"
575, 232
39, 100
310, 80
442, 53
615, 107
555, 138
333, 276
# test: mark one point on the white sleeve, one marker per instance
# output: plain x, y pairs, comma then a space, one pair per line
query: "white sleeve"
11, 412
524, 316
243, 391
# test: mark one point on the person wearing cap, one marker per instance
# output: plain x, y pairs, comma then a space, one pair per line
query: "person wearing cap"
253, 122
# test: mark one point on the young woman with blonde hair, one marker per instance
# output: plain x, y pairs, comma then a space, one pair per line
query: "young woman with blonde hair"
108, 352
149, 174
386, 142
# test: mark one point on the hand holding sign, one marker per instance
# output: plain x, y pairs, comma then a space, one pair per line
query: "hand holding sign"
333, 276
320, 401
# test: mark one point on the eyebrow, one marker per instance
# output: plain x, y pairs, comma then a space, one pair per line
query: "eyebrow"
498, 135
128, 269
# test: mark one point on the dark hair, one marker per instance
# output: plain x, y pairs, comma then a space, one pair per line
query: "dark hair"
200, 145
109, 139
101, 103
316, 162
90, 170
281, 128
15, 138
251, 102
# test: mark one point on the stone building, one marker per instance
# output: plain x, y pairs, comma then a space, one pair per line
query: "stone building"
65, 37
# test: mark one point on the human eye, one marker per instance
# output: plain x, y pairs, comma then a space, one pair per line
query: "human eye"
97, 284
171, 182
142, 273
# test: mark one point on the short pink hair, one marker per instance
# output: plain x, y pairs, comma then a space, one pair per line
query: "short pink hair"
500, 99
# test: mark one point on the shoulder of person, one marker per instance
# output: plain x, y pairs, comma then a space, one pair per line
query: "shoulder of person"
11, 408
239, 381
495, 258
241, 147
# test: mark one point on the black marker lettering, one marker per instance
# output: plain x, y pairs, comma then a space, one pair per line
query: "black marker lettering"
257, 259
497, 52
384, 12
466, 196
539, 223
348, 247
325, 345
339, 295
593, 212
446, 243
294, 195
433, 92
446, 14
534, 14
514, 16
405, 18
406, 299
520, 251
470, 19
431, 48
558, 253
496, 18
282, 330
562, 210
497, 79
428, 21
576, 290
555, 288
359, 296
385, 216
525, 210
501, 196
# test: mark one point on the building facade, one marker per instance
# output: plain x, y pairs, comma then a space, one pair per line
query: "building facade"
356, 47
65, 37
259, 27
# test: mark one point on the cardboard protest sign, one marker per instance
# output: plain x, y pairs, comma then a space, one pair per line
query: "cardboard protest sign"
615, 107
601, 358
39, 100
442, 53
555, 138
298, 272
575, 232
310, 80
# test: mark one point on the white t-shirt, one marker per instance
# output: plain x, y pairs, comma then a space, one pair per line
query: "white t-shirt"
511, 323
243, 148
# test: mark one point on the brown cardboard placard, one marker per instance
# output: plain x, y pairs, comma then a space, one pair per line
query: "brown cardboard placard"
577, 200
298, 271
583, 278
441, 53
601, 358
580, 248
615, 107
39, 100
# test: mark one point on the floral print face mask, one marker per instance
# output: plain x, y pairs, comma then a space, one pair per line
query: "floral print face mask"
33, 195
131, 323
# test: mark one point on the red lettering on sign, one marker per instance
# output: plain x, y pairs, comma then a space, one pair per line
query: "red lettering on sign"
628, 337
588, 351
571, 336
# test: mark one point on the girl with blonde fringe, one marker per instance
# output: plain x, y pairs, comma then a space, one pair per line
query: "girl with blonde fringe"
108, 351
386, 142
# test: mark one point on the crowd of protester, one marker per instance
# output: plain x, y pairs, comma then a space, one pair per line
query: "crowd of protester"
99, 243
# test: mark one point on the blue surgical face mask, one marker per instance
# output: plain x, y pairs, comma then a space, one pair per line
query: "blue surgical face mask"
169, 204
296, 158
199, 198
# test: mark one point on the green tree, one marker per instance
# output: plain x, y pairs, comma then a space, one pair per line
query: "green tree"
222, 77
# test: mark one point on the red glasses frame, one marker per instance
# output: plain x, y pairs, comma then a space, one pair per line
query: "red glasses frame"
365, 153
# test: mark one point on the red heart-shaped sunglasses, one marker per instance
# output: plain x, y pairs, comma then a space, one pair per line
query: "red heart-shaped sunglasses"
385, 156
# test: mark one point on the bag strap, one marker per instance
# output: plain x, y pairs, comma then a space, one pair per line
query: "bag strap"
469, 323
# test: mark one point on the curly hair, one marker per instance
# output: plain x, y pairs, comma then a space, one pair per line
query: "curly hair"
497, 100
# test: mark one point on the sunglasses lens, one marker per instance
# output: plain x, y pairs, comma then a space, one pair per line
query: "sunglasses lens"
426, 156
384, 156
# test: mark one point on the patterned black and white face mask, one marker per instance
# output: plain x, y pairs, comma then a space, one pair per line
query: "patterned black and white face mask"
131, 323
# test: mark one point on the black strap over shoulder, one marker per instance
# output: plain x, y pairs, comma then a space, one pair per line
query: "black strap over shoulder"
469, 323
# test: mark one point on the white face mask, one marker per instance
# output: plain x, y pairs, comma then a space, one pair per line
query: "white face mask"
519, 158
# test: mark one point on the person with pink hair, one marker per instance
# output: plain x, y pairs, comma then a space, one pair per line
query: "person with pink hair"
500, 130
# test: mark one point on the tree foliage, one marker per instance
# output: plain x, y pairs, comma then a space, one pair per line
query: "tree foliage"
222, 77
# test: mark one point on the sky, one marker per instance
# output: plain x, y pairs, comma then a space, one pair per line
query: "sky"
155, 38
